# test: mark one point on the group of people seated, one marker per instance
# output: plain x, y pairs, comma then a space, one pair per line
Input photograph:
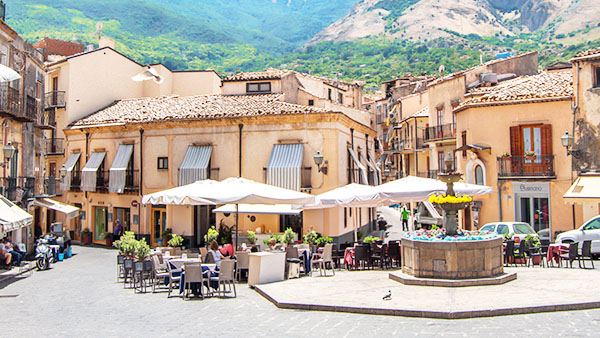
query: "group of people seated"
9, 253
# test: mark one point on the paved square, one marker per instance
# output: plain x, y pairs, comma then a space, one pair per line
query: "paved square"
80, 298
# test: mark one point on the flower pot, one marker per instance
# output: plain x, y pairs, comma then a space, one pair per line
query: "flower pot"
536, 260
109, 242
87, 238
530, 157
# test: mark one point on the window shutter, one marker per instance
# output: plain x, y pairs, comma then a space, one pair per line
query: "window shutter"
515, 141
546, 131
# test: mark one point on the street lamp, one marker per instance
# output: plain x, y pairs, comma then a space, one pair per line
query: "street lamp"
567, 142
449, 162
9, 151
62, 171
322, 166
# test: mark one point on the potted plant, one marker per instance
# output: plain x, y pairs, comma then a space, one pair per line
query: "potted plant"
251, 237
127, 244
277, 238
211, 235
142, 250
534, 243
310, 237
505, 155
108, 237
529, 155
289, 236
321, 241
87, 236
371, 239
166, 235
360, 235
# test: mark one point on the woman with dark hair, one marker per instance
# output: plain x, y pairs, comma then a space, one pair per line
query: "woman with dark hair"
216, 254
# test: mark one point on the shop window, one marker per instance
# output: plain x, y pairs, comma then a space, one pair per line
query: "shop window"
163, 163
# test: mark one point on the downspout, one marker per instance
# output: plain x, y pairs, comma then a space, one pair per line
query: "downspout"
352, 137
241, 126
141, 191
87, 143
574, 107
499, 201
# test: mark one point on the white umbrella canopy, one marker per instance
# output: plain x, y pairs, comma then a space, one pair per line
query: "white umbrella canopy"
8, 74
183, 195
351, 195
412, 188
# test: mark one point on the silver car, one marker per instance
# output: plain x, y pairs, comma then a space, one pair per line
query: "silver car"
516, 229
589, 231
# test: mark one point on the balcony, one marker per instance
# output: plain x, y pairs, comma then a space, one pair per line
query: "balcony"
52, 186
18, 189
432, 174
9, 100
519, 166
132, 182
438, 133
54, 99
46, 120
31, 108
409, 144
102, 181
75, 182
55, 146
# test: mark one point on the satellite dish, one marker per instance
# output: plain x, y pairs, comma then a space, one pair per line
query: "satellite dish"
99, 26
148, 73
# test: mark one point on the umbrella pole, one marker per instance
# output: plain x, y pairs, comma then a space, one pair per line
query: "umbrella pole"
355, 231
237, 218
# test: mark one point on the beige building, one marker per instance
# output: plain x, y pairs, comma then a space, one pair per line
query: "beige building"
21, 124
508, 138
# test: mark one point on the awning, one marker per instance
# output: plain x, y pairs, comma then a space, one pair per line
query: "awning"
279, 209
89, 173
586, 189
372, 160
372, 167
363, 170
118, 170
12, 217
195, 164
69, 166
69, 210
285, 166
472, 147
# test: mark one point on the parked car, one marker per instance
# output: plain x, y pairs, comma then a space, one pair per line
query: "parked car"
544, 234
590, 230
519, 230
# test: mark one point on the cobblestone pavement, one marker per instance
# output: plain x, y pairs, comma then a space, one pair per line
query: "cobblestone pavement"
80, 298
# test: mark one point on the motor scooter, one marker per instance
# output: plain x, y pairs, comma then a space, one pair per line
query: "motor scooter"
43, 254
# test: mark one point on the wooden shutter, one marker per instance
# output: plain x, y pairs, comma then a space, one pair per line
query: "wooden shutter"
546, 131
516, 148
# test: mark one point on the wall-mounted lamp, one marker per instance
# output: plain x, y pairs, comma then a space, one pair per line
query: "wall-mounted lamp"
9, 151
62, 171
567, 142
319, 162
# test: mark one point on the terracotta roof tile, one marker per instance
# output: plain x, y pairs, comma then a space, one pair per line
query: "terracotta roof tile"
174, 108
269, 74
555, 85
588, 53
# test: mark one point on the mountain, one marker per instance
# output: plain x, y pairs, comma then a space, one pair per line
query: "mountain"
430, 19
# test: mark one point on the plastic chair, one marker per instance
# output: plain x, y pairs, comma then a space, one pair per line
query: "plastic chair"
323, 260
243, 263
571, 255
586, 252
193, 274
226, 277
292, 253
174, 278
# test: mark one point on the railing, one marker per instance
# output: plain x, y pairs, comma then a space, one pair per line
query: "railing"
2, 11
52, 186
31, 108
75, 181
55, 146
132, 181
440, 132
410, 144
9, 99
521, 166
55, 99
47, 118
379, 118
102, 178
18, 189
432, 173
306, 181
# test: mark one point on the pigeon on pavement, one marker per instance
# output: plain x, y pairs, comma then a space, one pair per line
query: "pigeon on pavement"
388, 296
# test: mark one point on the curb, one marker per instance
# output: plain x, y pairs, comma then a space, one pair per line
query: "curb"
431, 314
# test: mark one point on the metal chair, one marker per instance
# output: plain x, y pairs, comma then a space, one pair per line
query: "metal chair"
120, 268
376, 254
571, 255
226, 277
509, 253
127, 271
586, 252
393, 253
361, 255
193, 274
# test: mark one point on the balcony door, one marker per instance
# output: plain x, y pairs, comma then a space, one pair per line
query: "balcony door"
536, 139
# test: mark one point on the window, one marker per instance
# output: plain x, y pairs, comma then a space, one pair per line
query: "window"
329, 94
502, 229
463, 136
340, 98
593, 225
479, 175
163, 163
489, 227
345, 217
597, 76
311, 102
440, 117
523, 229
258, 87
441, 161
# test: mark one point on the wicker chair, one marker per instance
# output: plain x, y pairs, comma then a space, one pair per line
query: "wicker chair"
586, 252
193, 274
174, 278
226, 277
323, 260
243, 263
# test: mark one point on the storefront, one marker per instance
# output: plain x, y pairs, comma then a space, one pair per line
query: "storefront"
532, 204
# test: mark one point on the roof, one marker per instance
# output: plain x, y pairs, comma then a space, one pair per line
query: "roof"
421, 113
413, 78
588, 54
51, 46
176, 108
525, 89
559, 65
269, 74
462, 72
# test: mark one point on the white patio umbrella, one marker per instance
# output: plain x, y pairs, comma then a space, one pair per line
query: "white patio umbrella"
12, 217
8, 74
412, 188
233, 190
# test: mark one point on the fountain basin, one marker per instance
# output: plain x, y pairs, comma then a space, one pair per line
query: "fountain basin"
449, 259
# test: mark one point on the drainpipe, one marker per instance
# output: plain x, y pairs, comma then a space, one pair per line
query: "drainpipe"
141, 193
241, 126
87, 143
499, 202
352, 137
574, 107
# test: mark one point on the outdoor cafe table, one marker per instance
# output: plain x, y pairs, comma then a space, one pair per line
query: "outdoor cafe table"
208, 270
555, 250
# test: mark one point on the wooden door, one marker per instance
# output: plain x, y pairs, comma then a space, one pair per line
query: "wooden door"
159, 224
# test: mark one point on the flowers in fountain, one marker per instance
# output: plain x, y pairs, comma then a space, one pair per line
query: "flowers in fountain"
439, 234
443, 199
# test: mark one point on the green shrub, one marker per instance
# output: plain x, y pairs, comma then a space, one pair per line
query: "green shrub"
176, 241
211, 235
310, 237
142, 251
371, 239
268, 240
289, 236
360, 234
321, 241
251, 237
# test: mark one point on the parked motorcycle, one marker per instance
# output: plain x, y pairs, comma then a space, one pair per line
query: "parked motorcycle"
43, 254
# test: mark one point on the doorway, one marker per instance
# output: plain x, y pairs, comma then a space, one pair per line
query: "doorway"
203, 219
77, 222
124, 216
100, 223
534, 210
159, 223
291, 221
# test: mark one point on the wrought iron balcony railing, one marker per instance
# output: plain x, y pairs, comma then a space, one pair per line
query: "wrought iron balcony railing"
441, 132
55, 99
524, 166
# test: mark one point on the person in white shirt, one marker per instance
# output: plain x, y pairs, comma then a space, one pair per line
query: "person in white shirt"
4, 254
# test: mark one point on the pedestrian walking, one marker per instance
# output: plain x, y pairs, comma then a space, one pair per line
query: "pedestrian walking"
382, 224
117, 230
404, 218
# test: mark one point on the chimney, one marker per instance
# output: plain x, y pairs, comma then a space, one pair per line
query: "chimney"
106, 42
89, 48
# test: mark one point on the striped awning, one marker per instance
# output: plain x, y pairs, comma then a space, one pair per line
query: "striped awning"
118, 170
69, 165
195, 164
89, 173
363, 170
285, 166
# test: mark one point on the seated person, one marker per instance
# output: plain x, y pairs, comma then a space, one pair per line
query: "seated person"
216, 254
4, 254
16, 255
272, 244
